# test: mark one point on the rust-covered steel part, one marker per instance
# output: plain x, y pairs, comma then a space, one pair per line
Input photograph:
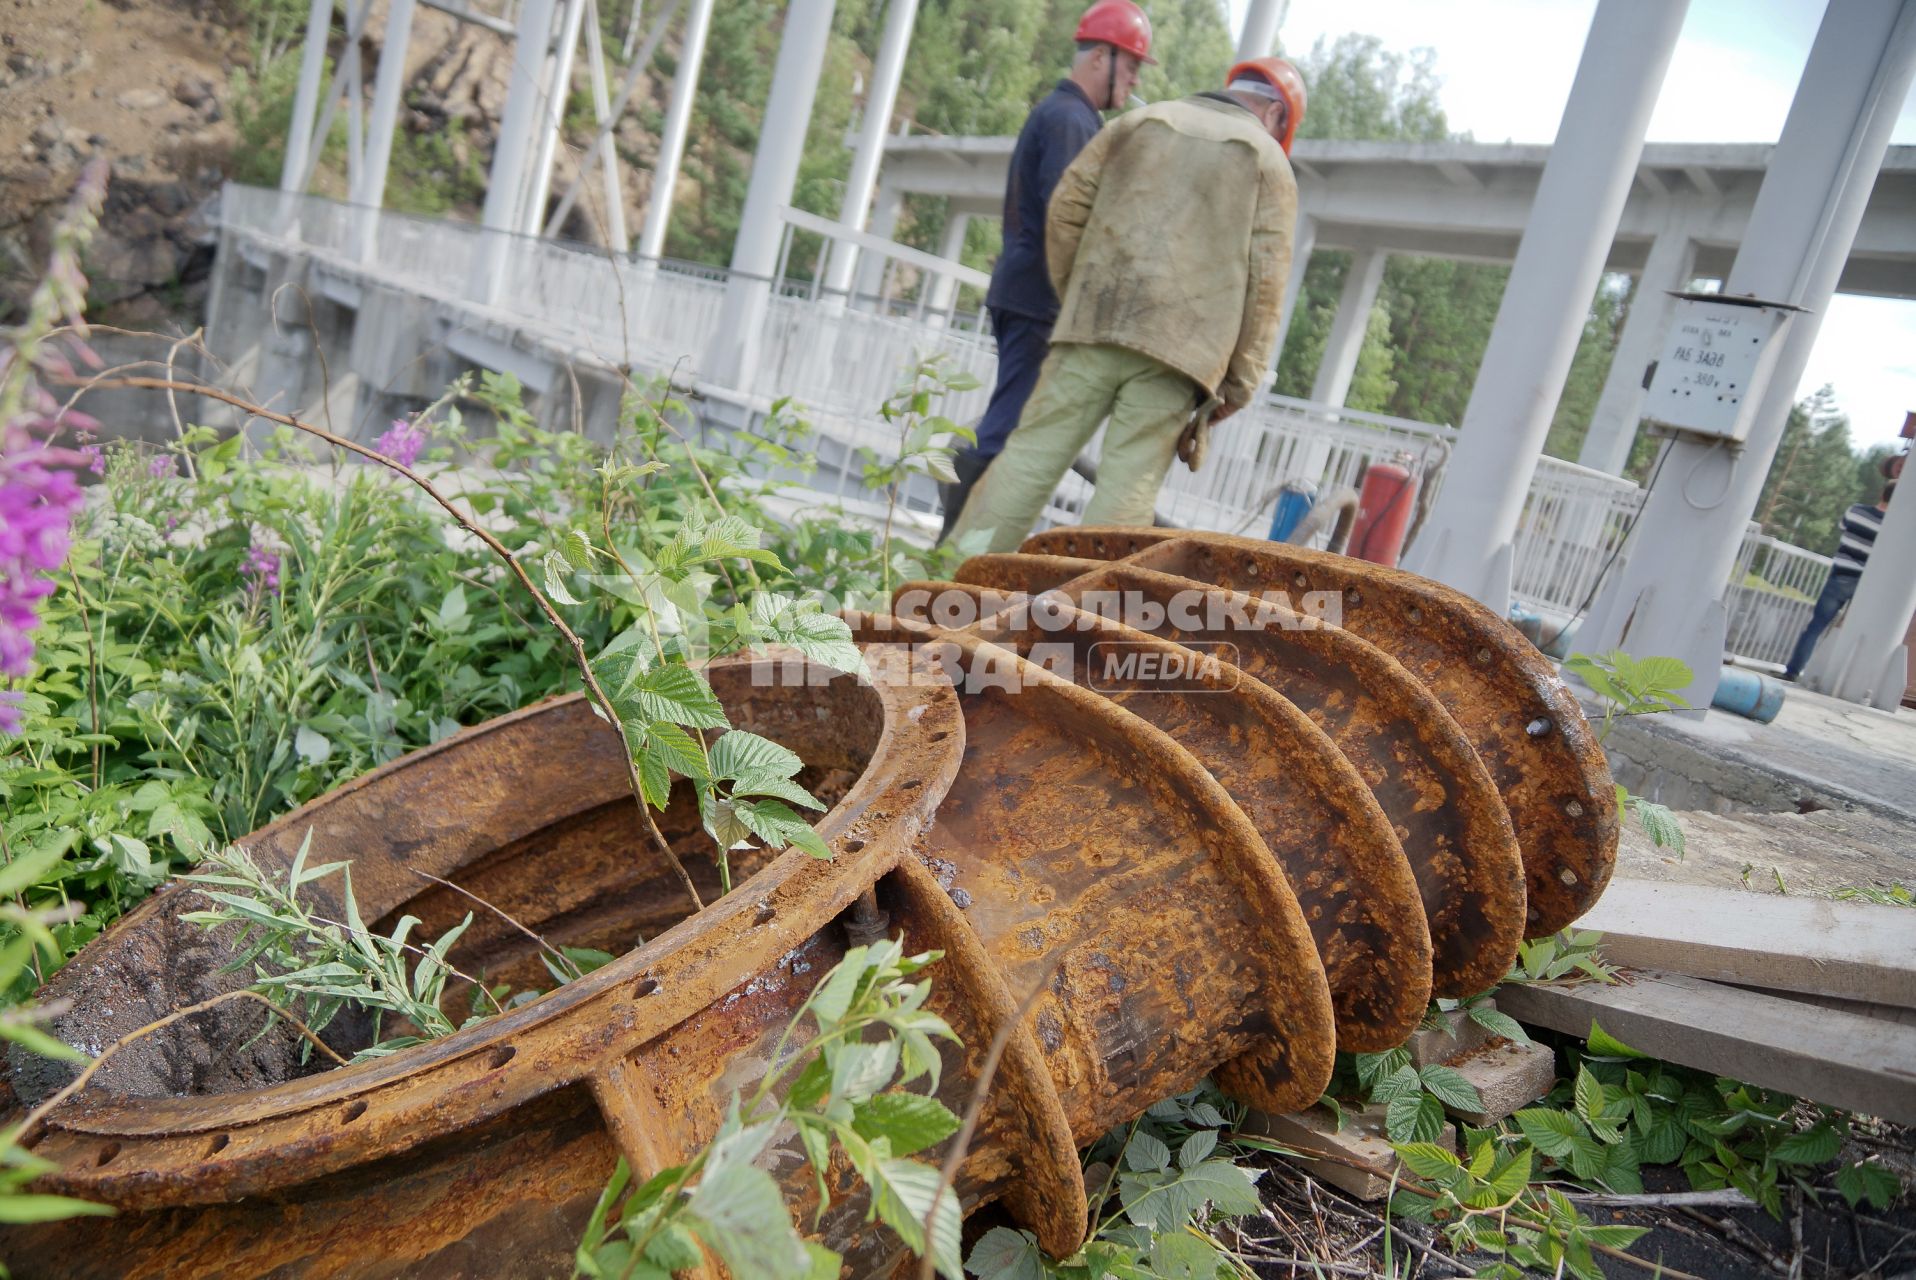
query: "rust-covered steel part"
1284, 852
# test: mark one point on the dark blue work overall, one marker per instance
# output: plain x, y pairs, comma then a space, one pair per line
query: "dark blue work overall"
1021, 301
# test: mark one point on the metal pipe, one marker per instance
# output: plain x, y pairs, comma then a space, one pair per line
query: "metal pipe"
552, 115
678, 121
887, 71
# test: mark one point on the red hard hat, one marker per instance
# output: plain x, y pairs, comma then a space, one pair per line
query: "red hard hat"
1284, 78
1118, 23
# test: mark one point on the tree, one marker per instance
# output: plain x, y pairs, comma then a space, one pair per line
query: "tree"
1814, 477
1589, 368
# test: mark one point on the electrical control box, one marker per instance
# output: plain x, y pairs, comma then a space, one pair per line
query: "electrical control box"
1714, 353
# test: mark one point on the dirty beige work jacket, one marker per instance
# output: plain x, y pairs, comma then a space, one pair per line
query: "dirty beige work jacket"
1170, 235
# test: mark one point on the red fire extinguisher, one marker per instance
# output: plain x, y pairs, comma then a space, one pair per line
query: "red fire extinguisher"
1385, 505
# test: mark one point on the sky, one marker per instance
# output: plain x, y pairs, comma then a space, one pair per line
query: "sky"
1506, 67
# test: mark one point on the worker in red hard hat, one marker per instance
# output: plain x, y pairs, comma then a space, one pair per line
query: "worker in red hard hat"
1169, 241
1114, 41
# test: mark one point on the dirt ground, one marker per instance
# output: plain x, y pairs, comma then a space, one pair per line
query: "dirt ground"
107, 74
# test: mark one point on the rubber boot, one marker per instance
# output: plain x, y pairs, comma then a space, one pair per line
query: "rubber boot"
969, 467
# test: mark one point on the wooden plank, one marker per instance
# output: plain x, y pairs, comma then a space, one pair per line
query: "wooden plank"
1846, 1060
1855, 950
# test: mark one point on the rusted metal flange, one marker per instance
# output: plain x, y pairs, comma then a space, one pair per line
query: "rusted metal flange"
1525, 724
1291, 850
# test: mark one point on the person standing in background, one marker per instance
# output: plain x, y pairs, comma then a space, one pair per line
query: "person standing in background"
1114, 42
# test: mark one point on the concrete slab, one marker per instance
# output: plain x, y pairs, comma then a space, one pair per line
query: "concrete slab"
1458, 1036
1819, 752
1360, 1143
1508, 1077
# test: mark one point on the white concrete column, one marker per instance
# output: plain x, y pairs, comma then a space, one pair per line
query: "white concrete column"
1664, 602
884, 223
312, 64
732, 359
951, 248
1865, 659
385, 115
678, 118
1261, 21
879, 101
1346, 341
552, 116
505, 184
1303, 240
1467, 540
1613, 424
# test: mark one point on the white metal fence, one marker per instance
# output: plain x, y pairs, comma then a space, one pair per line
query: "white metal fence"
840, 358
1770, 597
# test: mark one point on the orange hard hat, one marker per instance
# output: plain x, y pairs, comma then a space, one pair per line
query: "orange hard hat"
1118, 23
1284, 78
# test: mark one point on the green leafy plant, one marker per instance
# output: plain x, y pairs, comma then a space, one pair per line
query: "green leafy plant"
1488, 1203
925, 440
1414, 1098
1158, 1188
1571, 956
870, 1029
1895, 894
1636, 687
21, 1026
326, 965
1481, 1010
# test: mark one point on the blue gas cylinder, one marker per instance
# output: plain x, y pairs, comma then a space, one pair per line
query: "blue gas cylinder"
1294, 502
1748, 693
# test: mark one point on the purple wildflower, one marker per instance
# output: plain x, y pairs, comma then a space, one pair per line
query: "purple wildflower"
38, 492
402, 441
260, 568
164, 467
96, 458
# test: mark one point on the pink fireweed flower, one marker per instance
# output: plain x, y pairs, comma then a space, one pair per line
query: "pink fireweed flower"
260, 568
402, 441
38, 492
164, 467
95, 458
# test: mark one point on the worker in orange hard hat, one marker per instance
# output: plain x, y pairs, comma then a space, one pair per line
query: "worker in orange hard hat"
1169, 241
1114, 41
1277, 78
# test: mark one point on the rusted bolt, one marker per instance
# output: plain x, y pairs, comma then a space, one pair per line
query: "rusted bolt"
1566, 875
1483, 657
867, 923
1538, 727
1300, 580
1574, 808
1414, 614
1353, 598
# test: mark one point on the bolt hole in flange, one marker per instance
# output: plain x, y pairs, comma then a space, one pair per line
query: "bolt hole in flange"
106, 1155
765, 914
648, 986
941, 735
852, 845
501, 1056
1539, 727
353, 1111
218, 1144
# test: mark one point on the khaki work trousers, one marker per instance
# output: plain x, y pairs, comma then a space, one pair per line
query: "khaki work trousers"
1148, 403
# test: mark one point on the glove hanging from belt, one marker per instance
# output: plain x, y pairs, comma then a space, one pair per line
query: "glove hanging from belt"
1196, 436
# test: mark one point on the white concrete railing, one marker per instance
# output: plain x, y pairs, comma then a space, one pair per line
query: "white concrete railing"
840, 359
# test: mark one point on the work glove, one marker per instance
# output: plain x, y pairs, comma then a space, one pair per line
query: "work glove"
1196, 436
